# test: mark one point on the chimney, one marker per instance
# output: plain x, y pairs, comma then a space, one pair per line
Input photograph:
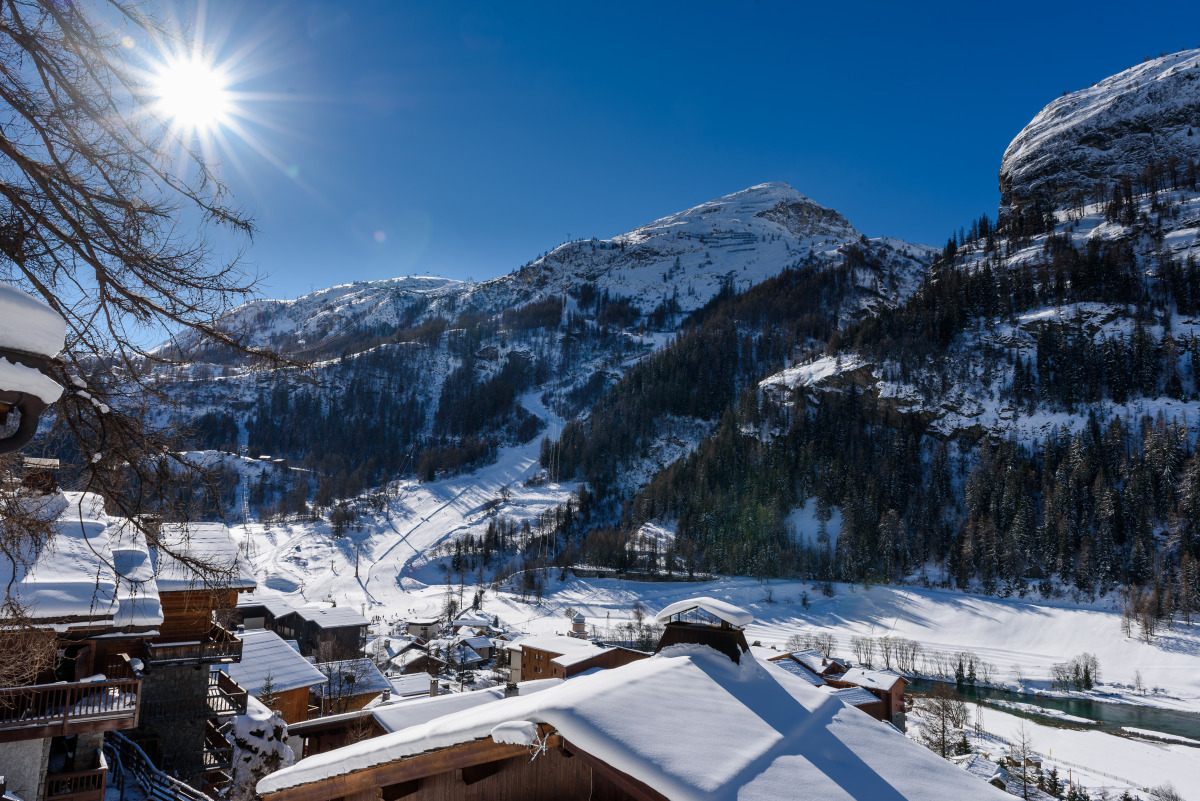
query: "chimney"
511, 689
433, 686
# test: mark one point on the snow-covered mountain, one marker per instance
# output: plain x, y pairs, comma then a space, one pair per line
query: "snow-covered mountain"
1148, 114
682, 261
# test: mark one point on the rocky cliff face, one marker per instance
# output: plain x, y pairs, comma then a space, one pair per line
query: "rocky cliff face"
1147, 114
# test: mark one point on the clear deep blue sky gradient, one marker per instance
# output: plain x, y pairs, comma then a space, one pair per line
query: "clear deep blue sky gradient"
474, 137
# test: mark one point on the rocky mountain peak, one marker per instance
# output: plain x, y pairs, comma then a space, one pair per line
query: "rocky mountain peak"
1147, 114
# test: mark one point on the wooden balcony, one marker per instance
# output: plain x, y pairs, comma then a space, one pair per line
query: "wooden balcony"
219, 646
56, 710
218, 753
79, 785
225, 696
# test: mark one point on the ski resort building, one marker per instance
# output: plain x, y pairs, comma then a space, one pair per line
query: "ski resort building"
690, 722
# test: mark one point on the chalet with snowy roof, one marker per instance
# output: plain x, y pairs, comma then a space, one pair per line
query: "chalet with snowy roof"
688, 723
414, 685
325, 632
260, 612
885, 685
351, 685
424, 627
136, 628
706, 621
556, 656
270, 663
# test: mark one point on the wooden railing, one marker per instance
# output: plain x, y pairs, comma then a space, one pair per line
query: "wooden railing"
56, 710
218, 753
225, 696
157, 785
80, 785
218, 646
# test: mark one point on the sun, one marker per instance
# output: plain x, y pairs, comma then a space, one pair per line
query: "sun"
193, 94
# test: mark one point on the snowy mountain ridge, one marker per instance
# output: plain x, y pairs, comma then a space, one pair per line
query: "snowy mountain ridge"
1117, 127
682, 260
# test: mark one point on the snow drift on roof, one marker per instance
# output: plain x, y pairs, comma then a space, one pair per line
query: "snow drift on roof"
68, 577
873, 679
210, 545
733, 615
28, 324
692, 724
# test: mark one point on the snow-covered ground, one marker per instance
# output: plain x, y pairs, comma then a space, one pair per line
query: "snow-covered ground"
1096, 760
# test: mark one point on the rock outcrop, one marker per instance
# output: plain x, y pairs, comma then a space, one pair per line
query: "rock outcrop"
1148, 114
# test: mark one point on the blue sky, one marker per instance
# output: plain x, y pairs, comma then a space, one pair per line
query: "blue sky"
463, 139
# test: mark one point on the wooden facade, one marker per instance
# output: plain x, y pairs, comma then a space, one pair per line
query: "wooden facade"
327, 642
482, 770
292, 705
189, 615
538, 663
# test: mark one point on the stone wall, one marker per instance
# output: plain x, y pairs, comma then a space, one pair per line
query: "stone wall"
23, 766
173, 719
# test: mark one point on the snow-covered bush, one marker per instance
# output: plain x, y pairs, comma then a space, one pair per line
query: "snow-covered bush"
259, 740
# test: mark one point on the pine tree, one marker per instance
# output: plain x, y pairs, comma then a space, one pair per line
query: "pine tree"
267, 694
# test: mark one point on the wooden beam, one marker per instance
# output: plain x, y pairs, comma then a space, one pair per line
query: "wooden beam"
393, 792
399, 771
477, 773
634, 788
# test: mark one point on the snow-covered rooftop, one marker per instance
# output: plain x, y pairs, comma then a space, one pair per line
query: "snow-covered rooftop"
68, 579
137, 591
265, 653
276, 606
331, 617
570, 650
27, 324
410, 684
854, 696
814, 660
799, 670
871, 679
722, 610
406, 714
206, 545
352, 677
691, 724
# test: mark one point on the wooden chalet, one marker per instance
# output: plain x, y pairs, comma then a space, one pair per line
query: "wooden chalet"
664, 727
136, 632
259, 612
328, 633
556, 656
351, 684
885, 685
